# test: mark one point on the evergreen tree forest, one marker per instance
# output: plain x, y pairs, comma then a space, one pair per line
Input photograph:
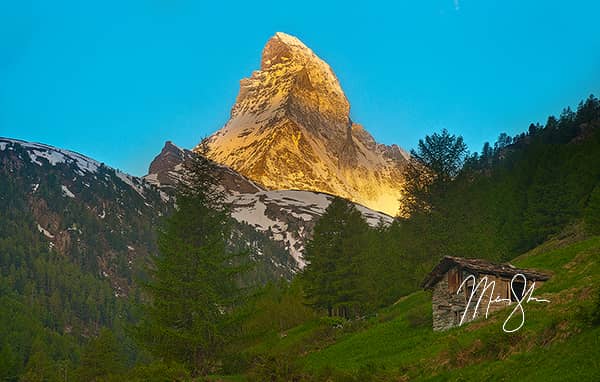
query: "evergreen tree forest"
187, 314
496, 204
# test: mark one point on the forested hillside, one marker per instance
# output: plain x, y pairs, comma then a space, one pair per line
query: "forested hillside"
494, 205
75, 235
72, 234
69, 258
514, 194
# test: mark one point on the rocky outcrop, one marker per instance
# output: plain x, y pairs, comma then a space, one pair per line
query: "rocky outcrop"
166, 169
166, 162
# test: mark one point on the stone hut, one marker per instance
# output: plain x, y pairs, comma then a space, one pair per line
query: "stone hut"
452, 282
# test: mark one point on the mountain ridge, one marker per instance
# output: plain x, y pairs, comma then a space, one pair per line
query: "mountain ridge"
284, 216
106, 219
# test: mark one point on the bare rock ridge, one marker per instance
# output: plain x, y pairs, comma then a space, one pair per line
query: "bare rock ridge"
290, 128
166, 168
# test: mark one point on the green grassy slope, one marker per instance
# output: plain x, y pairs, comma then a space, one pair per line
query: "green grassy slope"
557, 342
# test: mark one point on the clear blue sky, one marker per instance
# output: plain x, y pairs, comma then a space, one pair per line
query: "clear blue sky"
115, 79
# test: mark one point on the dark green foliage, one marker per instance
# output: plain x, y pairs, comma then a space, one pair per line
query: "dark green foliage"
101, 359
275, 369
192, 287
333, 278
159, 372
513, 196
436, 162
595, 314
592, 212
276, 307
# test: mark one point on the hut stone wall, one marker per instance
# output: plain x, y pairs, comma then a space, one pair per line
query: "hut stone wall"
448, 305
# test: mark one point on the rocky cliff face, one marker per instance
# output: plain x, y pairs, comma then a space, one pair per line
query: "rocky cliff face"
290, 129
166, 169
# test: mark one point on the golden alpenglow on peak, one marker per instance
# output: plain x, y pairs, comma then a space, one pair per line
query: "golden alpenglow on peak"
290, 128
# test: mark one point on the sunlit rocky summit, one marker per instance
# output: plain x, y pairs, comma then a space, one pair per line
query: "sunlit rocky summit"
290, 128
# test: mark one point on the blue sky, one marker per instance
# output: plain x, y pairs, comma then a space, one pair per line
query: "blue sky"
115, 79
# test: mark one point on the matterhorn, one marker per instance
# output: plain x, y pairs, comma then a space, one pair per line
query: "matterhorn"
290, 129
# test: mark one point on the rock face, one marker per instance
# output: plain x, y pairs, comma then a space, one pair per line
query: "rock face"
286, 217
165, 165
290, 129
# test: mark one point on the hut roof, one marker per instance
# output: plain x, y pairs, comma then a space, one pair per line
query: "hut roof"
479, 266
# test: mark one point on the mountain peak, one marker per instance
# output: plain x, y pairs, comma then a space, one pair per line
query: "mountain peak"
289, 39
282, 48
290, 128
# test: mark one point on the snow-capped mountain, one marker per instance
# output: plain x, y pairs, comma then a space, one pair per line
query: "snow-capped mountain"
284, 216
290, 129
102, 219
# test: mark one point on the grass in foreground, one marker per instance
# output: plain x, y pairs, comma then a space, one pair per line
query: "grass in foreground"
557, 342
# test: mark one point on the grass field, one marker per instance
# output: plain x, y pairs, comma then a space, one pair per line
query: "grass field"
558, 341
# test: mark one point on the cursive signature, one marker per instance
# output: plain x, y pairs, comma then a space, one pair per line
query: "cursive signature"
485, 285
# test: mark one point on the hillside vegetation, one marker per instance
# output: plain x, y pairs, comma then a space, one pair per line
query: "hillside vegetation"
559, 340
356, 313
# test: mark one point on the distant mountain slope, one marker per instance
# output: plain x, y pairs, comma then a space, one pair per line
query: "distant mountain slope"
285, 216
290, 128
103, 219
289, 216
100, 217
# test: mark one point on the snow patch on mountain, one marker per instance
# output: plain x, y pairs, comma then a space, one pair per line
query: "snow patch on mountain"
132, 182
45, 232
54, 155
40, 154
285, 215
66, 192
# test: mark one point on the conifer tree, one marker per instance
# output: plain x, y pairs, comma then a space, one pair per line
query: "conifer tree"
333, 277
191, 287
437, 160
101, 358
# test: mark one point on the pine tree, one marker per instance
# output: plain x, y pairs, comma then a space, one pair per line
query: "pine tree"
436, 162
39, 366
191, 288
101, 358
333, 278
